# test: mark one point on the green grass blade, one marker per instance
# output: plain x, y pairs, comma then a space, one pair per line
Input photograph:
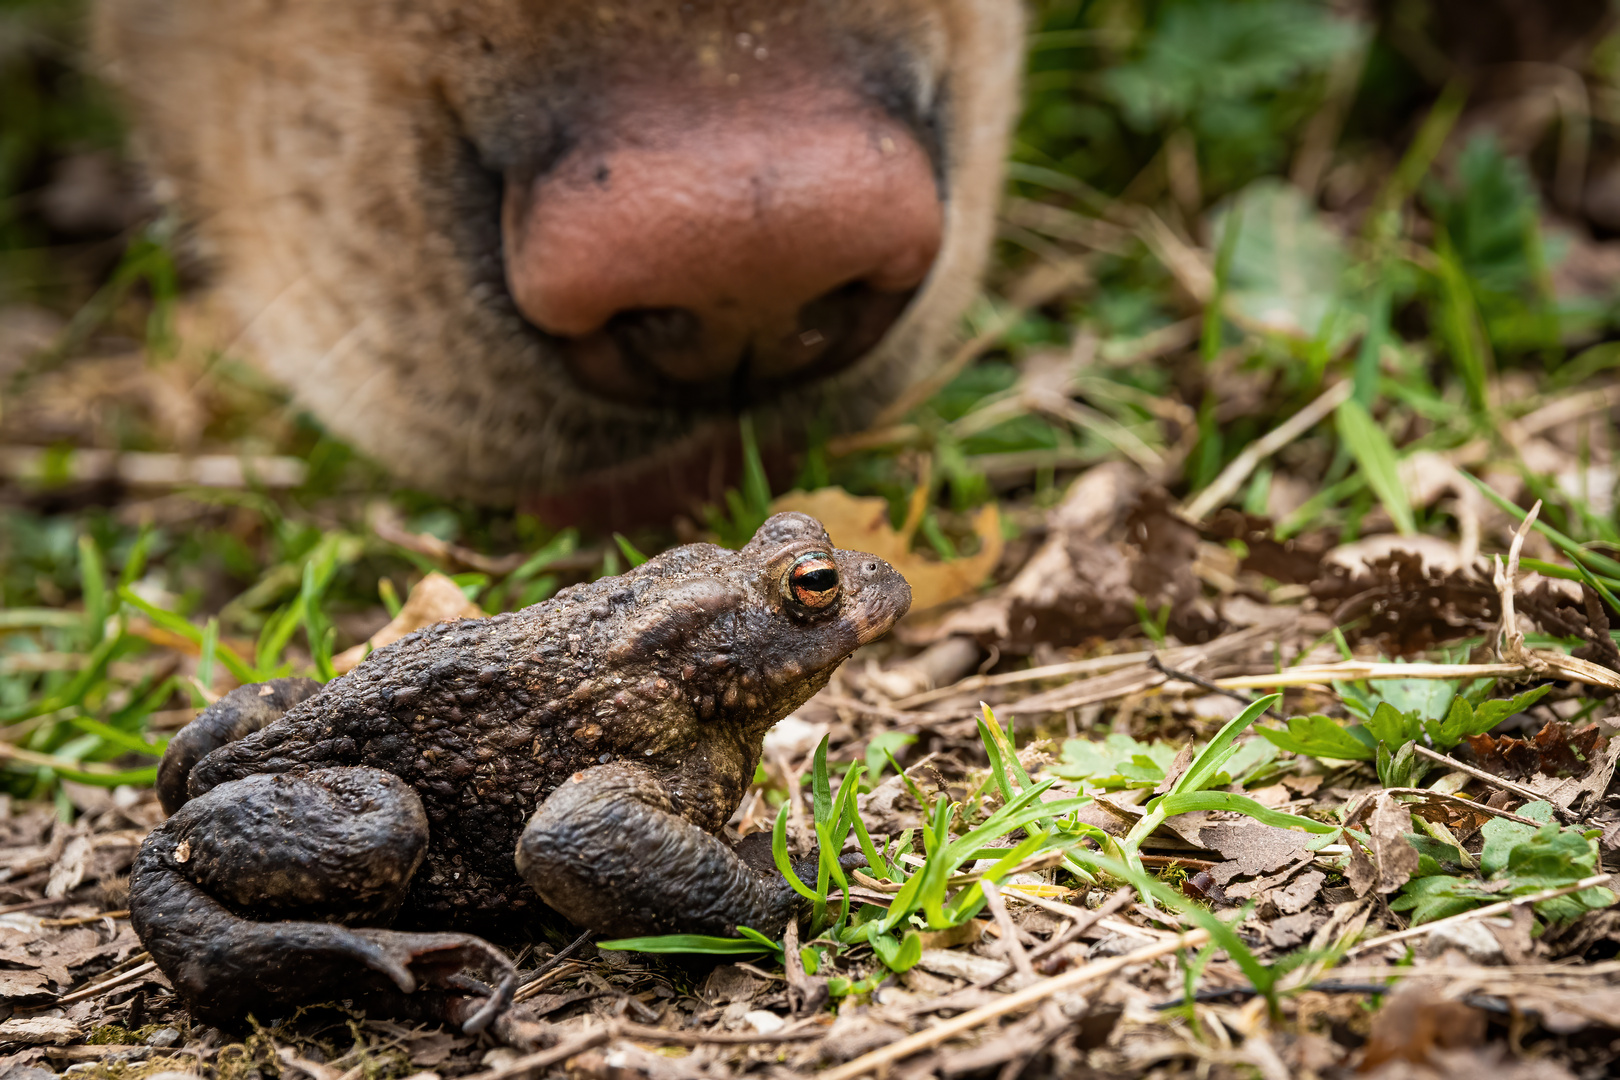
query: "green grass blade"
1379, 464
1590, 559
1208, 763
93, 586
784, 865
687, 943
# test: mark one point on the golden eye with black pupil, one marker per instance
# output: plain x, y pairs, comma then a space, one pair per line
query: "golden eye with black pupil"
812, 581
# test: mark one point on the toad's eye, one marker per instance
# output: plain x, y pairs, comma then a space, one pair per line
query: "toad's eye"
812, 582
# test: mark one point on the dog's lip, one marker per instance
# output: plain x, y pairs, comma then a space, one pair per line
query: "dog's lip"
656, 488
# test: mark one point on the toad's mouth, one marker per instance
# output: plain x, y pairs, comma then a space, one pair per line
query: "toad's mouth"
716, 246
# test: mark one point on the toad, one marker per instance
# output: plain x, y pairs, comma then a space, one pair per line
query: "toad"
584, 753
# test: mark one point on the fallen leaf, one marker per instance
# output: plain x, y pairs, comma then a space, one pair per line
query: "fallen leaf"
1556, 751
69, 870
1415, 1022
1248, 847
38, 1030
435, 599
1397, 859
861, 523
20, 987
1115, 551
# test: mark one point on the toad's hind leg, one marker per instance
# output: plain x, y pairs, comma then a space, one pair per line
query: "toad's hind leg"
240, 894
608, 850
235, 716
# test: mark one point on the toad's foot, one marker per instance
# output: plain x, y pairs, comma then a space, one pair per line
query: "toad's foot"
225, 895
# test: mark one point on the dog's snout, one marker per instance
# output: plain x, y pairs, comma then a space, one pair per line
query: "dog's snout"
781, 232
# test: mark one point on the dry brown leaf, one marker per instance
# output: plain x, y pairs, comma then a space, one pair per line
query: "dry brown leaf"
861, 523
1397, 859
1415, 1022
37, 1030
435, 599
69, 870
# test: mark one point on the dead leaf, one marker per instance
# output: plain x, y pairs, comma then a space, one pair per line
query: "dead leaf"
1115, 548
1182, 761
862, 524
1397, 859
1404, 604
435, 599
1249, 847
1415, 1022
69, 870
20, 987
1556, 751
38, 1030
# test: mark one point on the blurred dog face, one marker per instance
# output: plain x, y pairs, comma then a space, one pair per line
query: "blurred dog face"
522, 250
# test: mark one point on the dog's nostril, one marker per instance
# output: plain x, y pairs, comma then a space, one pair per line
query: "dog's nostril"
669, 340
827, 334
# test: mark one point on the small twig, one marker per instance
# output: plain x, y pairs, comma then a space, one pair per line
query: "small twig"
812, 1028
102, 987
1469, 804
81, 920
1510, 639
878, 1059
1545, 664
1010, 945
1231, 478
1176, 675
34, 905
1080, 920
558, 957
1483, 912
532, 1064
1508, 786
1096, 665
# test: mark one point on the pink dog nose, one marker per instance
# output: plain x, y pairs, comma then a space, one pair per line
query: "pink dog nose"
763, 235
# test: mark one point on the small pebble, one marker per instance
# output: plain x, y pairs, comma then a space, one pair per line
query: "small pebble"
163, 1037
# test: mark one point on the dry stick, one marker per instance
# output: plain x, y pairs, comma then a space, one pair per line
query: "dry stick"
811, 1028
1094, 666
1508, 786
1080, 919
1484, 912
1031, 995
1231, 478
558, 957
1010, 945
92, 991
1510, 640
530, 1064
32, 905
1458, 800
1542, 664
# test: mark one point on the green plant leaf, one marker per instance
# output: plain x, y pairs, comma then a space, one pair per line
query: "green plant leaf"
1375, 455
632, 554
1321, 737
1201, 773
692, 943
1190, 801
779, 854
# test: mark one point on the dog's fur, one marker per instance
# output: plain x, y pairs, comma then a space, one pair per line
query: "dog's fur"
340, 164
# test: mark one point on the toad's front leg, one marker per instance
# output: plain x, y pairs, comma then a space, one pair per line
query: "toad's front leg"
609, 852
240, 894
